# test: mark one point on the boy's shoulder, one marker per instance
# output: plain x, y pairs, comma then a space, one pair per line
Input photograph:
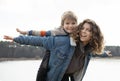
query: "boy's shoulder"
58, 31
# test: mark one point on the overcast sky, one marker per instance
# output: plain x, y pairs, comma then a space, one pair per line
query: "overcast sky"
46, 15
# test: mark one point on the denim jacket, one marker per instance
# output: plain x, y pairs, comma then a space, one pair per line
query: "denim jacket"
61, 52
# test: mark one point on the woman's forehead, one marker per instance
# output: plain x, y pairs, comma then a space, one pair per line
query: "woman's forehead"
87, 25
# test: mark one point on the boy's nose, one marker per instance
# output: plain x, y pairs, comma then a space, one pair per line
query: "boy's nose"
71, 26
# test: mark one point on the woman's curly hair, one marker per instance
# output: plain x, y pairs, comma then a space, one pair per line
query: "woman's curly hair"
96, 43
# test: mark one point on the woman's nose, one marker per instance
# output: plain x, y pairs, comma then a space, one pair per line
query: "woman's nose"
83, 30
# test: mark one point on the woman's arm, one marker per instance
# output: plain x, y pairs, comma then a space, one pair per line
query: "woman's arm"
104, 54
46, 42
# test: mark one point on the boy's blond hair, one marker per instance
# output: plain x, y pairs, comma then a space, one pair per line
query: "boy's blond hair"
68, 15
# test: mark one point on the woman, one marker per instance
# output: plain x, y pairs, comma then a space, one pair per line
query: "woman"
86, 41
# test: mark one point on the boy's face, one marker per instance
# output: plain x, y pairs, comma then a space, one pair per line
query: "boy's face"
69, 25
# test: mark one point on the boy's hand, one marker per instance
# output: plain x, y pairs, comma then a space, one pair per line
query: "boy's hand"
21, 32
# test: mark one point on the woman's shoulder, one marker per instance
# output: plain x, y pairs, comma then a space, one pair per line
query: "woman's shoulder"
62, 39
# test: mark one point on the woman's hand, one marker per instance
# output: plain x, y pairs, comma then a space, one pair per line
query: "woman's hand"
108, 53
8, 37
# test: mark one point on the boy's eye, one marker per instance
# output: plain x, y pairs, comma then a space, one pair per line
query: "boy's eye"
67, 23
73, 23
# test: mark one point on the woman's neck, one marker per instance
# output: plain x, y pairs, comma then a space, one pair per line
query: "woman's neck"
84, 43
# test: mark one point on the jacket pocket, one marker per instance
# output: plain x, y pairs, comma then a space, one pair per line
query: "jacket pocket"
60, 58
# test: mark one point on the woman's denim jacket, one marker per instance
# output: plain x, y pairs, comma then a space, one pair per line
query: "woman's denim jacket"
61, 52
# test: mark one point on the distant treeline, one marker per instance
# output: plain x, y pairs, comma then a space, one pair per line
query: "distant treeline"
15, 50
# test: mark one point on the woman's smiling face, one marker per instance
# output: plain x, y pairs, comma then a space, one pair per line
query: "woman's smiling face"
85, 33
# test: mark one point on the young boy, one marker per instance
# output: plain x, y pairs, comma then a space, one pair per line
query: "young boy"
68, 25
62, 30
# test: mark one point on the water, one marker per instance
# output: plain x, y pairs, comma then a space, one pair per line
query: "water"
103, 70
98, 70
19, 70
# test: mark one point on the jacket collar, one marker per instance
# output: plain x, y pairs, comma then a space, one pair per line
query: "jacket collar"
72, 42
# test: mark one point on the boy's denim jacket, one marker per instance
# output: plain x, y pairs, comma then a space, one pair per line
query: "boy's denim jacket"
61, 52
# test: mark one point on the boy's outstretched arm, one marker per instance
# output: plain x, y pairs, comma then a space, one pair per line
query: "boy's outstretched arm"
33, 32
57, 31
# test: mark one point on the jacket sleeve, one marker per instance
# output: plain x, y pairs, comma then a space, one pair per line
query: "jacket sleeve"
46, 42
